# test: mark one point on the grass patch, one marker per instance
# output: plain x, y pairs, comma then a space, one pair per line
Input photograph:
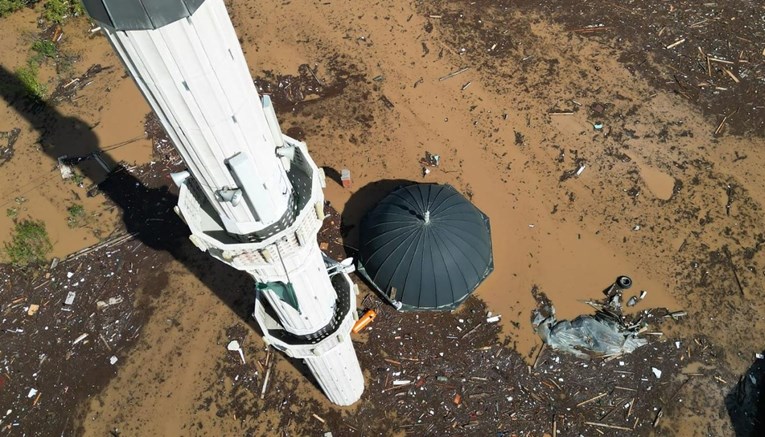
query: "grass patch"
29, 243
30, 83
53, 12
76, 216
78, 178
28, 75
12, 212
56, 11
43, 49
10, 6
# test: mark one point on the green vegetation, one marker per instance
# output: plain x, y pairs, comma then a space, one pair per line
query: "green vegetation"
56, 11
27, 75
76, 216
9, 6
12, 212
53, 12
77, 178
43, 49
29, 243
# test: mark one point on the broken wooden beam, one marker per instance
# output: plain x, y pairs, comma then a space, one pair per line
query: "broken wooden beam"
453, 73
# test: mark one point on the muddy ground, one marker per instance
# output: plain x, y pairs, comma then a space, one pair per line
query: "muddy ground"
670, 192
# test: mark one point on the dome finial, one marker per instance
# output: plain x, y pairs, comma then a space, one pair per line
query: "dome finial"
427, 217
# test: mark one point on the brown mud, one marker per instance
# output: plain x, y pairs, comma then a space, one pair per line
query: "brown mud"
512, 98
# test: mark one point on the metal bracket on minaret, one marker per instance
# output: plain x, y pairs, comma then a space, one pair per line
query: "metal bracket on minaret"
233, 195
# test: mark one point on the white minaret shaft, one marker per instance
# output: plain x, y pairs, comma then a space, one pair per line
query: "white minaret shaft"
196, 79
252, 196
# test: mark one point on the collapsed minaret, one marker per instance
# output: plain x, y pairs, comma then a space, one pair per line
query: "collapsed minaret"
252, 196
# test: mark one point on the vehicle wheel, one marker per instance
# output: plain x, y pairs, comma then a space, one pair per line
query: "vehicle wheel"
624, 282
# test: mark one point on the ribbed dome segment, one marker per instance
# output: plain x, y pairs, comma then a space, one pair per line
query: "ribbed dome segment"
429, 243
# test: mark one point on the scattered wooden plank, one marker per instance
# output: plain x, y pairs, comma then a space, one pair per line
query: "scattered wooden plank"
733, 269
555, 426
629, 412
605, 425
719, 61
453, 73
121, 238
590, 29
386, 101
265, 379
624, 388
732, 76
539, 354
472, 330
676, 43
591, 399
659, 414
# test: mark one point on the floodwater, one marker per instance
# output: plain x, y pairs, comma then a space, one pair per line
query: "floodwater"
32, 187
570, 235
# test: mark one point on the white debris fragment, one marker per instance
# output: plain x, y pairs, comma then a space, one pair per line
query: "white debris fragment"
656, 372
66, 171
32, 392
493, 319
69, 275
80, 338
677, 344
70, 298
581, 169
402, 382
233, 346
759, 356
636, 228
113, 360
109, 302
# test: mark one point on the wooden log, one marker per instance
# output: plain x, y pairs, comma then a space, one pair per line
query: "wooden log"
605, 425
591, 399
454, 73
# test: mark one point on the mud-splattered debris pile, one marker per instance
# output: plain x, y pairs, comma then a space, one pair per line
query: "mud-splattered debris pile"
63, 329
607, 333
68, 90
447, 374
9, 138
289, 92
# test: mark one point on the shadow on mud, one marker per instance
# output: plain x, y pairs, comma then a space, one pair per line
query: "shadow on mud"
146, 205
361, 202
746, 402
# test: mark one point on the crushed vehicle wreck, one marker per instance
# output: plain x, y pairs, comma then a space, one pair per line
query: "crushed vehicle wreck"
606, 333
